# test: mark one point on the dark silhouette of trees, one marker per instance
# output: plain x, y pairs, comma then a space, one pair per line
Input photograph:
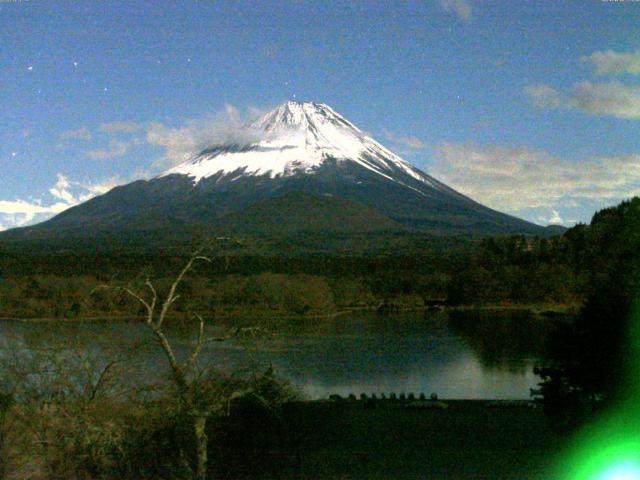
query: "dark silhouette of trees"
587, 368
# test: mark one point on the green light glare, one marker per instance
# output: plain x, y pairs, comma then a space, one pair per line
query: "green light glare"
623, 471
605, 457
610, 448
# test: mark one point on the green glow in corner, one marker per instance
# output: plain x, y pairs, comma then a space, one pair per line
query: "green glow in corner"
610, 449
605, 458
622, 471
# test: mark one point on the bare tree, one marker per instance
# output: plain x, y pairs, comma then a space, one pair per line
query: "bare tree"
184, 372
59, 426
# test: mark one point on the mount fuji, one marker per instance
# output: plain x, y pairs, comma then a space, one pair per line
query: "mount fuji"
301, 167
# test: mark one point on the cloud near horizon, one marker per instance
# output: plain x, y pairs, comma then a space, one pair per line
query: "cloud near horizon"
64, 194
554, 219
522, 181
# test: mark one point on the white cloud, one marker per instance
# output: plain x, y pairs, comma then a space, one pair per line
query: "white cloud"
82, 133
181, 143
462, 8
544, 96
99, 188
609, 98
121, 127
553, 219
178, 142
409, 142
17, 207
60, 190
18, 213
516, 179
64, 194
598, 98
116, 148
610, 62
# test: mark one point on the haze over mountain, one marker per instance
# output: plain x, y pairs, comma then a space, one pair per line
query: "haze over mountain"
301, 167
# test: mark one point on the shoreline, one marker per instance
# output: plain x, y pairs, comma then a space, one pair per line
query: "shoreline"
542, 310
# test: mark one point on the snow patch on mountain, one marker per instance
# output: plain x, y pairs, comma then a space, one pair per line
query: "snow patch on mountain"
297, 138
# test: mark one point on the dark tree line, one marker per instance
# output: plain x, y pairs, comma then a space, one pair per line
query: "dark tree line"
589, 358
524, 270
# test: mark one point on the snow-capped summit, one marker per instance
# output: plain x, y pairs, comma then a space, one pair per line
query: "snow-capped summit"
295, 138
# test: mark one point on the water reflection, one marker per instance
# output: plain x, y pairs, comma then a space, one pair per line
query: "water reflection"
458, 355
501, 339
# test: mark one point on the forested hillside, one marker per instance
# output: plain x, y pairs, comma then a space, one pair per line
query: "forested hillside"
460, 271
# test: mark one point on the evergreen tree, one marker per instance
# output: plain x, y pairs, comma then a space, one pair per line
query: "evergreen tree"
585, 370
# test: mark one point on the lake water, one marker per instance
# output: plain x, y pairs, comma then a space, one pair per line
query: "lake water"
462, 355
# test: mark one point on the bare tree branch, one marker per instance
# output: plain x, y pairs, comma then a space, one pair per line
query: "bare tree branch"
176, 368
149, 307
154, 294
199, 342
101, 378
171, 296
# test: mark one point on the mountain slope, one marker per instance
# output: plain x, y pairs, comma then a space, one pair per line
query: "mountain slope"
300, 167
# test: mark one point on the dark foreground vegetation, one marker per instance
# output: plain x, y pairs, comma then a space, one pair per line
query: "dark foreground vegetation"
592, 361
467, 440
66, 416
102, 434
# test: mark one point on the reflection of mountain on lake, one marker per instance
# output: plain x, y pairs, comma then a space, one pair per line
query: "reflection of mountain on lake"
364, 353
